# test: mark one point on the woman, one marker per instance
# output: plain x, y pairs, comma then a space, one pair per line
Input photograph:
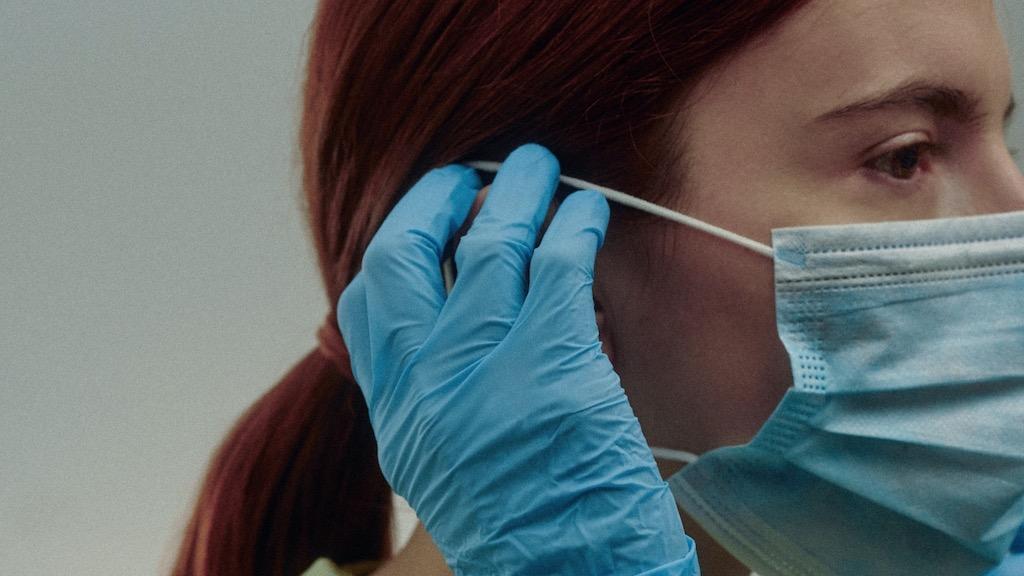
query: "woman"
748, 115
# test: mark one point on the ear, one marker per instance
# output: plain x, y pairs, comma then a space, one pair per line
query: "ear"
604, 310
603, 330
473, 210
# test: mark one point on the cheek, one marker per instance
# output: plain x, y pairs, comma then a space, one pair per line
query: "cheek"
726, 314
695, 340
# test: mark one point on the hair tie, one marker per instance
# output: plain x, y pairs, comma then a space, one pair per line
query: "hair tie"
332, 346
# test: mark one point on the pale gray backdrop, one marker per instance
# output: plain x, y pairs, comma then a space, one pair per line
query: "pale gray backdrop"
155, 275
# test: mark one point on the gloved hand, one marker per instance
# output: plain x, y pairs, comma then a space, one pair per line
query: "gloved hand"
1013, 564
497, 415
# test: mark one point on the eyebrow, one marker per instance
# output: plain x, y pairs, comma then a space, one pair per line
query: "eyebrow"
940, 100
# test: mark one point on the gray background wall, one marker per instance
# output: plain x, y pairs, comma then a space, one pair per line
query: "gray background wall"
155, 276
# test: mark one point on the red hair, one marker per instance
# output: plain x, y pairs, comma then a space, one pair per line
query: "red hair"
393, 89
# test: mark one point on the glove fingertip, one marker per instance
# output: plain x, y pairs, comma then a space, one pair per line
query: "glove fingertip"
537, 157
593, 209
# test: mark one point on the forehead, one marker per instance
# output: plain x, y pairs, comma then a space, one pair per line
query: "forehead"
833, 50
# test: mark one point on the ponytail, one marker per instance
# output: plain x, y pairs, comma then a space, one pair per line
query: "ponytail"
296, 478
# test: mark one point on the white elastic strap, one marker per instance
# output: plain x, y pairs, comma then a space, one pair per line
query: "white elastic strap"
650, 208
448, 273
675, 455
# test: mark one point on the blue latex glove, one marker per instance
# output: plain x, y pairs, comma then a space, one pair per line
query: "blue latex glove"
496, 414
1013, 564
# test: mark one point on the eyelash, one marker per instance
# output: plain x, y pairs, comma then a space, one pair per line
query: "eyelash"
923, 149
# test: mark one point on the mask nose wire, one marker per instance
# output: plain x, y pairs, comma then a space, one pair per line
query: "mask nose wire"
650, 208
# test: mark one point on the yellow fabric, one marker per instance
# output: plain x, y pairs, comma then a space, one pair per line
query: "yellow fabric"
323, 566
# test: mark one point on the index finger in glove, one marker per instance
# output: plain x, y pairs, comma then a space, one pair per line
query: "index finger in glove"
402, 264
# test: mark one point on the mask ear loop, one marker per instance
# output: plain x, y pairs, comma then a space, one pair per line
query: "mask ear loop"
448, 273
674, 455
650, 208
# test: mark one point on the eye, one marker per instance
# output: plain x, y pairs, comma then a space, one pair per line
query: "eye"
903, 163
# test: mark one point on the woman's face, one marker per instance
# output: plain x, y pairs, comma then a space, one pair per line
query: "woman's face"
851, 111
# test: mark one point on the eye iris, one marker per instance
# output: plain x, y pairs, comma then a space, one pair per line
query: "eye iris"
903, 163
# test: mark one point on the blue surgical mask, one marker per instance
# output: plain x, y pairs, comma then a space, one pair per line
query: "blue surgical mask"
899, 449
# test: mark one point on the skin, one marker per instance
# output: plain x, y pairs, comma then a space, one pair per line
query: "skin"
696, 344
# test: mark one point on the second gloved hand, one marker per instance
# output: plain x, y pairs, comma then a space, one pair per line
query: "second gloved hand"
496, 413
